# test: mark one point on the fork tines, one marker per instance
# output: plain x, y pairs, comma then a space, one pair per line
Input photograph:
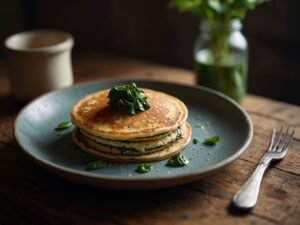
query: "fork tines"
283, 139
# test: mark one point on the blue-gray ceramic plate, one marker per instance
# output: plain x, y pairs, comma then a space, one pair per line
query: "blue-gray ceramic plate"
210, 113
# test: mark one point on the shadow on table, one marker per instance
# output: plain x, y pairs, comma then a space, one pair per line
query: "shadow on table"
10, 105
8, 112
232, 209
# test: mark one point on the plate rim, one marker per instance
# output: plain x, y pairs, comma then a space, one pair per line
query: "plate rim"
201, 171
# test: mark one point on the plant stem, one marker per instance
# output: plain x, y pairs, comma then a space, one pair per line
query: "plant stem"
219, 41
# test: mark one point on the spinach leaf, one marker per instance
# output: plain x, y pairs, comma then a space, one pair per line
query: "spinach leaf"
212, 140
196, 140
144, 168
97, 164
128, 99
178, 160
63, 125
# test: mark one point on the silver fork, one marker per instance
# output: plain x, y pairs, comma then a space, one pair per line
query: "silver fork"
246, 197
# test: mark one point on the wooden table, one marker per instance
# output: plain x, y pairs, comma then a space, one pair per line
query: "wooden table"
32, 195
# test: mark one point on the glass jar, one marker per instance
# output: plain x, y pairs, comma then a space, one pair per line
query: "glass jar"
221, 58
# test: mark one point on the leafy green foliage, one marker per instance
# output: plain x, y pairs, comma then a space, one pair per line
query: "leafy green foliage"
196, 140
128, 99
97, 164
63, 125
213, 10
212, 140
143, 168
178, 160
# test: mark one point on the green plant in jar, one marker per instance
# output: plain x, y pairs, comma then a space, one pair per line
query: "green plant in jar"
221, 50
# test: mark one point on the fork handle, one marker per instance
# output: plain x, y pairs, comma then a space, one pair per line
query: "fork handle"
246, 197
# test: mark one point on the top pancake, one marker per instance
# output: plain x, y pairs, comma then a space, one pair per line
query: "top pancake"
93, 114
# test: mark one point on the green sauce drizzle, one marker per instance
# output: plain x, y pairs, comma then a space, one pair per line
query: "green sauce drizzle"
143, 168
212, 140
128, 99
97, 164
63, 125
178, 160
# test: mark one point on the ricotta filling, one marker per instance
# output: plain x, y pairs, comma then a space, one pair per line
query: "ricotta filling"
141, 146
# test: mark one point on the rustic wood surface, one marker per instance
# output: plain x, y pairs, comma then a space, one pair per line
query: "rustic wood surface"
32, 195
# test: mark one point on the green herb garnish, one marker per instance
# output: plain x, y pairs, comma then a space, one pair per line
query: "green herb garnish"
143, 168
63, 125
196, 140
198, 125
212, 140
128, 99
178, 160
97, 164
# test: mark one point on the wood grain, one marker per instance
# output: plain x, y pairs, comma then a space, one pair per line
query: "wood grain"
32, 195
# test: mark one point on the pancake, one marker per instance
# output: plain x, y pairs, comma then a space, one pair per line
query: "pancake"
141, 145
93, 115
115, 155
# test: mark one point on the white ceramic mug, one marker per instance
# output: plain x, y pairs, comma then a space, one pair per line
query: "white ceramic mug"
39, 61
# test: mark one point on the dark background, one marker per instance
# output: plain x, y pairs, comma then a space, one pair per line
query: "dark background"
147, 29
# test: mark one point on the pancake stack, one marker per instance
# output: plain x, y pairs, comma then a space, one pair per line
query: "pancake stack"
153, 135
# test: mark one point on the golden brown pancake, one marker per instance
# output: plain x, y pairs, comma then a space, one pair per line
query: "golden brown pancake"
115, 155
140, 146
93, 114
